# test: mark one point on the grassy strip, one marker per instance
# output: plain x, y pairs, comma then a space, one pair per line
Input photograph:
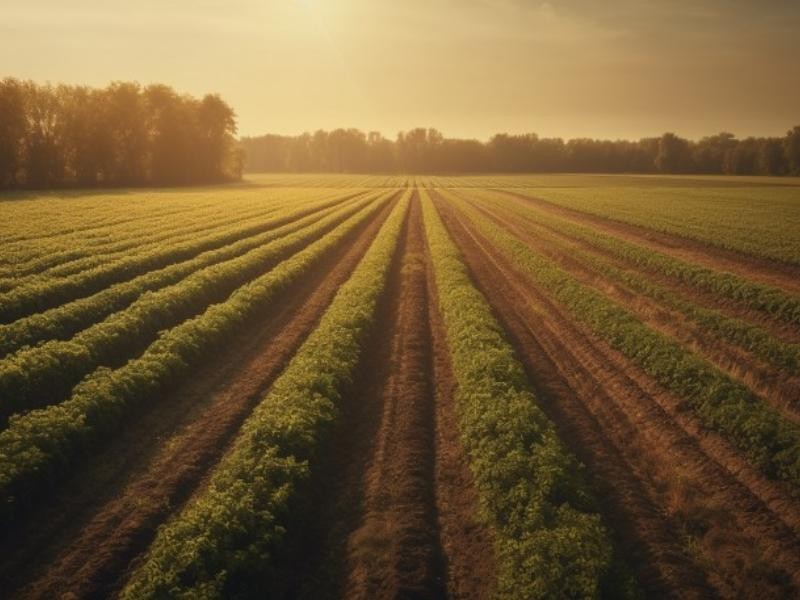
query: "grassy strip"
224, 542
550, 541
45, 292
44, 374
764, 298
767, 439
38, 447
783, 355
64, 321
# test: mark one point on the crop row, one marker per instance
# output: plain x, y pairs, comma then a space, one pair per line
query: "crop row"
126, 240
235, 528
764, 298
722, 404
44, 374
55, 251
761, 221
170, 235
38, 447
64, 321
549, 539
51, 243
784, 355
31, 298
32, 221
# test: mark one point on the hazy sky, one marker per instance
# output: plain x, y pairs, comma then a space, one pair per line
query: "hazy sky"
613, 68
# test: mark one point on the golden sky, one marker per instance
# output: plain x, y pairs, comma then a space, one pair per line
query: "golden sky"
572, 68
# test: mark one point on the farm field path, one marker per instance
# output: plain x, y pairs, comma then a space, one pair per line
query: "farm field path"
663, 480
84, 541
396, 509
772, 272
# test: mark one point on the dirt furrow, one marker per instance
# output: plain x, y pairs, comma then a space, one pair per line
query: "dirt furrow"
771, 272
650, 460
394, 551
663, 568
106, 515
395, 510
729, 307
466, 542
774, 386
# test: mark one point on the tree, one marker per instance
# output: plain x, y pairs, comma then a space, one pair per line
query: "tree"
13, 130
426, 150
674, 154
119, 135
380, 154
173, 136
88, 143
771, 160
44, 157
791, 148
709, 153
742, 158
128, 124
216, 124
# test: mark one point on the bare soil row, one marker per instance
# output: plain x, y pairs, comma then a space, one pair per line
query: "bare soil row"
92, 529
395, 508
695, 517
771, 383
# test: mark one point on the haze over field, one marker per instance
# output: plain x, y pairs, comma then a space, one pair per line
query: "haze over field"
367, 300
471, 68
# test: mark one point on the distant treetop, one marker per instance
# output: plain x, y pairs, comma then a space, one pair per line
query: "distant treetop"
428, 151
120, 135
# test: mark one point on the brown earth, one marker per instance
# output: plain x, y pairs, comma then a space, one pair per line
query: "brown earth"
767, 271
83, 541
396, 510
695, 518
780, 329
773, 384
467, 543
394, 551
120, 275
392, 505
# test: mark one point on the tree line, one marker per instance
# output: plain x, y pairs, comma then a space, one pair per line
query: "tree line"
121, 135
428, 151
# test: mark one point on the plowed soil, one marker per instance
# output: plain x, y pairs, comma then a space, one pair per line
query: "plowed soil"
395, 512
772, 383
696, 519
771, 272
391, 509
777, 328
82, 543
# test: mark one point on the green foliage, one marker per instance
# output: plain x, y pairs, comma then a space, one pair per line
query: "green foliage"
752, 217
40, 445
770, 441
119, 135
427, 150
63, 321
45, 291
49, 370
550, 541
226, 540
784, 355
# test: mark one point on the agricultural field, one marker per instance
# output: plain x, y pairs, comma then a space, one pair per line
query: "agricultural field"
340, 386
